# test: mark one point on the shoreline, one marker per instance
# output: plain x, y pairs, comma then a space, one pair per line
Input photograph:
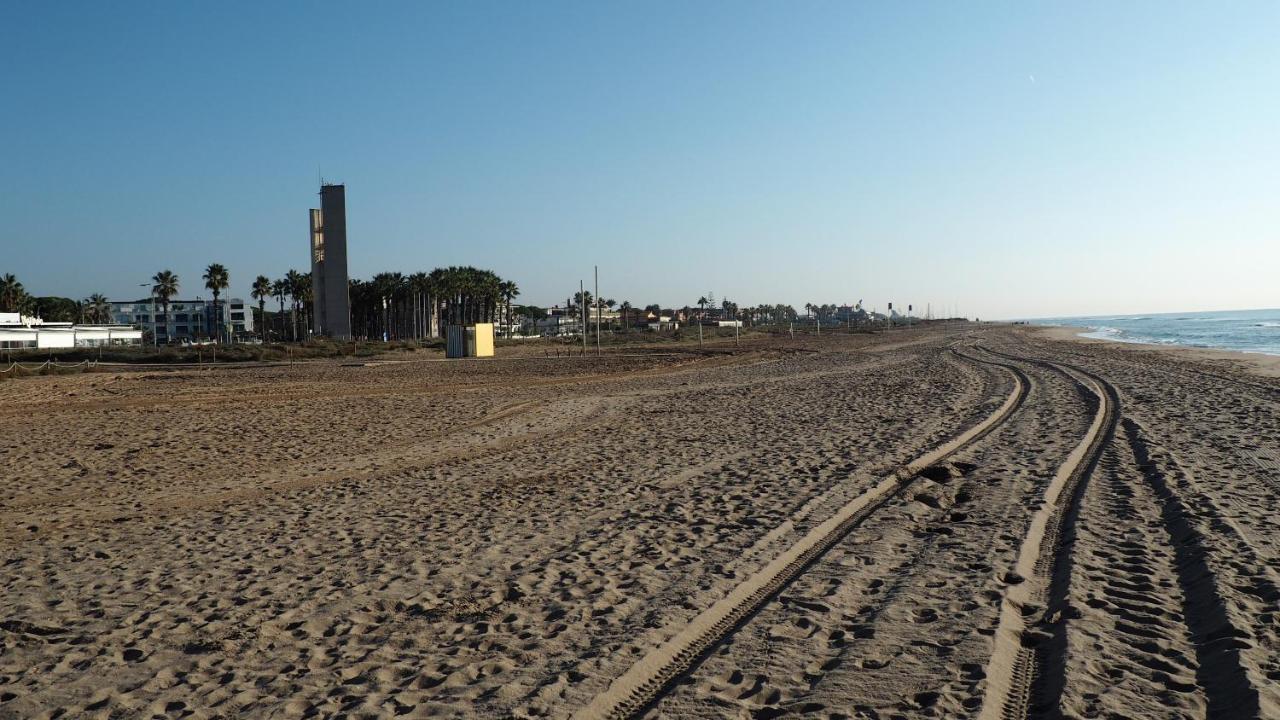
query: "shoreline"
1254, 363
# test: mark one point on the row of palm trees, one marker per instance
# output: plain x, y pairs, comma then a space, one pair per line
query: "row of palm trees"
294, 286
391, 305
216, 278
395, 306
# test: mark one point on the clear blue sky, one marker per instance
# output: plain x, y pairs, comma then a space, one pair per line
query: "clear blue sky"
1017, 160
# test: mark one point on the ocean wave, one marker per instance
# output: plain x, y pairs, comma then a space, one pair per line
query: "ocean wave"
1241, 330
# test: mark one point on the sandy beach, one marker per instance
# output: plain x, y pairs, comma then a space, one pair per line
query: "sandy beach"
996, 522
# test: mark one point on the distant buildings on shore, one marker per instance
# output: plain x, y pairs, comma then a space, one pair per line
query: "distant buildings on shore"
187, 320
21, 332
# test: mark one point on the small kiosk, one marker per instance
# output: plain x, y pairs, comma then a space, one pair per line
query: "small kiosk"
469, 341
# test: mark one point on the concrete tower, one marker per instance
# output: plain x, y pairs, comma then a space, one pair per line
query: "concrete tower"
331, 306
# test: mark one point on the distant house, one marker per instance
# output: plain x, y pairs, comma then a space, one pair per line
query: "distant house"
20, 332
559, 320
851, 313
187, 319
656, 321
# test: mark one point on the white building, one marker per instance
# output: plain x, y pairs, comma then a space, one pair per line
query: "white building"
187, 319
557, 325
19, 332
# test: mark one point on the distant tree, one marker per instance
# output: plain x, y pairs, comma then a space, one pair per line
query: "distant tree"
97, 309
55, 309
262, 289
216, 279
280, 289
389, 290
306, 298
509, 291
293, 283
625, 309
530, 311
583, 301
12, 294
419, 283
165, 287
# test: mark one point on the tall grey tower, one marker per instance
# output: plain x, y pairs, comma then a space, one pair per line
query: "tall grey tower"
331, 306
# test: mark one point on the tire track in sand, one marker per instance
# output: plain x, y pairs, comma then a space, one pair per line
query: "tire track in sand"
1021, 649
649, 677
1026, 674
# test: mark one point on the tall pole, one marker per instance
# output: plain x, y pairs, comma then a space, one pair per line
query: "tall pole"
597, 272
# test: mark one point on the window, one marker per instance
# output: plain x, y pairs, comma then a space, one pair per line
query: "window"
238, 316
237, 306
182, 317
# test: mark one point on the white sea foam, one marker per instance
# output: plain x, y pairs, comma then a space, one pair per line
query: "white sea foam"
1245, 330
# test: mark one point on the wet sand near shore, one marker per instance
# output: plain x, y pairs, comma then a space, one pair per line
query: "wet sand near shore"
981, 522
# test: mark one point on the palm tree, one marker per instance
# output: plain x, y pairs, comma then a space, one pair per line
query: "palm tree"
97, 309
12, 294
625, 309
702, 305
216, 279
417, 285
306, 298
165, 287
262, 289
437, 287
387, 290
509, 291
583, 299
279, 289
293, 286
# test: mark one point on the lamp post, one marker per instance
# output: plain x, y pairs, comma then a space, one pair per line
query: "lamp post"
152, 313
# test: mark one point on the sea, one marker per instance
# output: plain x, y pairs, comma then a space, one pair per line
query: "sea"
1255, 331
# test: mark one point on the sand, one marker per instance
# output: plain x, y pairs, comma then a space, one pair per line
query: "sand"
995, 522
